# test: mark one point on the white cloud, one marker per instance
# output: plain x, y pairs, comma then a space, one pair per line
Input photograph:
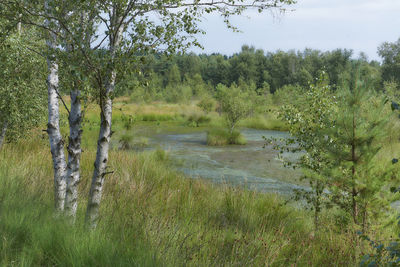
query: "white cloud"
361, 25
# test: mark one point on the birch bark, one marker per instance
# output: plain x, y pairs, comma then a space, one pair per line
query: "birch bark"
74, 155
100, 165
53, 125
74, 142
103, 143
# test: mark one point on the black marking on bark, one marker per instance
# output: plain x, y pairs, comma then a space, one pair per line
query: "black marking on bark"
50, 126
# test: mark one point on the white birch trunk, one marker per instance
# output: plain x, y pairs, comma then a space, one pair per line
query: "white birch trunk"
100, 165
3, 133
103, 143
75, 135
74, 155
53, 125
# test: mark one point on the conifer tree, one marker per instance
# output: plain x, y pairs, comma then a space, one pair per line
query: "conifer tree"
358, 132
340, 135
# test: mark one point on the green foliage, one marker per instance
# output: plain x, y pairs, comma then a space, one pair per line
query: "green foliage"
390, 53
195, 120
173, 77
287, 94
22, 92
164, 218
382, 255
157, 117
207, 104
264, 71
358, 171
197, 84
236, 104
340, 135
178, 94
307, 117
391, 90
268, 121
161, 155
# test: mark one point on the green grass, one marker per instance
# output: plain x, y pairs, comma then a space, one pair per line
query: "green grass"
195, 120
189, 114
222, 137
264, 122
158, 117
151, 215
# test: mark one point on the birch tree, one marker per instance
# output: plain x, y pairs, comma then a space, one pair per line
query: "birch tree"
132, 28
137, 27
66, 29
77, 40
53, 125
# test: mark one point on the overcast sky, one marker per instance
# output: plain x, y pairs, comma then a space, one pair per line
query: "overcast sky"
361, 25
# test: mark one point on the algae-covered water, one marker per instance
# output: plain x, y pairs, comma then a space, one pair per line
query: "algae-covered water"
250, 166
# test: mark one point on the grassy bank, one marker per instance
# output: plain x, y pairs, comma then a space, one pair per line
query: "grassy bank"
151, 215
189, 114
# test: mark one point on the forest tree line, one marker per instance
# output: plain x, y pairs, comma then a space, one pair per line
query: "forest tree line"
181, 76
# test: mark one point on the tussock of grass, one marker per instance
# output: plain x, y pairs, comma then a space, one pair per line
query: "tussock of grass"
222, 137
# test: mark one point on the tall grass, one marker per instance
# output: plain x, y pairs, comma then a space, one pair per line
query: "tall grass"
151, 215
159, 111
265, 122
222, 137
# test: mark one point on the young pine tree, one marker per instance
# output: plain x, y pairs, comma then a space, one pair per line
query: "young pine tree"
358, 132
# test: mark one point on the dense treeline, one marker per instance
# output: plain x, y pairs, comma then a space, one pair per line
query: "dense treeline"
264, 71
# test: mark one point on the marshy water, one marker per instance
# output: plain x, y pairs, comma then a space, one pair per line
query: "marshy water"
250, 166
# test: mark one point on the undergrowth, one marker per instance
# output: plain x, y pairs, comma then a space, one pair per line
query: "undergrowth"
152, 215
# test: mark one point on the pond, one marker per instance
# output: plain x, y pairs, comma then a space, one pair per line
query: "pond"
250, 166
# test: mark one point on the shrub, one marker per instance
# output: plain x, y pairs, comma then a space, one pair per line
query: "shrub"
287, 94
235, 103
207, 104
178, 94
